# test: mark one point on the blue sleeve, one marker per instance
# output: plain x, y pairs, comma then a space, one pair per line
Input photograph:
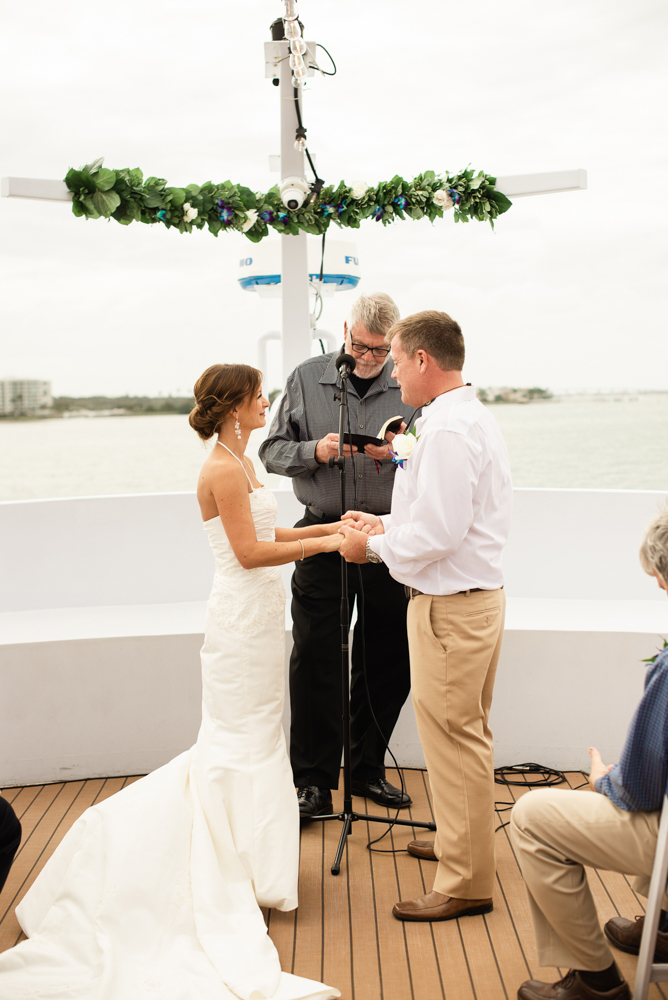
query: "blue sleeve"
638, 782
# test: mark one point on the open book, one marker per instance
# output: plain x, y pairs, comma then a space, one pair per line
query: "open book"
360, 440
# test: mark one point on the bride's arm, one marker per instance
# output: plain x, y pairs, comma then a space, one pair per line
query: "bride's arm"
230, 491
313, 531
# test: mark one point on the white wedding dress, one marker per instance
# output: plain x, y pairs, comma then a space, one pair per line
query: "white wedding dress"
153, 894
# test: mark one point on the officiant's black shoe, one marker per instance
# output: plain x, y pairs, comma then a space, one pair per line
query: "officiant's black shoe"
381, 791
314, 801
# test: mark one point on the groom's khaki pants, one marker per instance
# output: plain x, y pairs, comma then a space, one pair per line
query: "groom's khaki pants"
555, 834
454, 644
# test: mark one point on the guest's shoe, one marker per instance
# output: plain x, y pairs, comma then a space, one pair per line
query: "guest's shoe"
626, 934
571, 987
314, 801
423, 849
381, 791
436, 906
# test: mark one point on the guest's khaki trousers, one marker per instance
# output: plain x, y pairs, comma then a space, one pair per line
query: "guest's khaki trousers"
555, 834
454, 644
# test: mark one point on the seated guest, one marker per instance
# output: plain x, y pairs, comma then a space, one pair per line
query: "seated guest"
556, 833
10, 838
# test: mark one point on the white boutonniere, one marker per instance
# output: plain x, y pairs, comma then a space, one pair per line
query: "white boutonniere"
402, 447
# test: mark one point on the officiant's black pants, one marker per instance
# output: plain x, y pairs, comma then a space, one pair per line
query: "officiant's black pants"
316, 737
10, 838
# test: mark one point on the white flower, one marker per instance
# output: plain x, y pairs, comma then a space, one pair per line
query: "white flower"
402, 445
251, 219
442, 199
359, 189
189, 213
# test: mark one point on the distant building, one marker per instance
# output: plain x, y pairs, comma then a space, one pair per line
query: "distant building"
22, 397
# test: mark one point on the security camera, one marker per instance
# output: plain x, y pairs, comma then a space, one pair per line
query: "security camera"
293, 192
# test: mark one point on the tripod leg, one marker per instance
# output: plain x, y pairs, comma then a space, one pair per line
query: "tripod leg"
336, 867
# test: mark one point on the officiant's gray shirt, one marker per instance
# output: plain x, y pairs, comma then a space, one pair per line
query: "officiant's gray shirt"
308, 411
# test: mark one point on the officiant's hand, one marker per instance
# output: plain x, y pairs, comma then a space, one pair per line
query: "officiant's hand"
353, 546
381, 453
371, 524
328, 447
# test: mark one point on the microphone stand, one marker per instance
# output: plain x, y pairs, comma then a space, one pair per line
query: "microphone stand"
346, 364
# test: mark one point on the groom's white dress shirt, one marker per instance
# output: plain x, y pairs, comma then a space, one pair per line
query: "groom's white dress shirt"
451, 504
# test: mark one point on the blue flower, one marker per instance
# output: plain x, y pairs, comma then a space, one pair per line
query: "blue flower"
162, 214
225, 213
455, 195
283, 217
268, 216
401, 201
328, 210
378, 213
341, 207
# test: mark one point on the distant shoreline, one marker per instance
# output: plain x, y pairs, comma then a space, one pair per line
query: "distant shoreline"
87, 407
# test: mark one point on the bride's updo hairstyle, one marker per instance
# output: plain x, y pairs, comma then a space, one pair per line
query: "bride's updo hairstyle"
217, 392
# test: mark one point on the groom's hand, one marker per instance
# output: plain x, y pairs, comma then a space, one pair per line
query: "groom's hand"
353, 547
370, 523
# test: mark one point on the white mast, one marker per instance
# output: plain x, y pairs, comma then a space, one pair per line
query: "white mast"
296, 338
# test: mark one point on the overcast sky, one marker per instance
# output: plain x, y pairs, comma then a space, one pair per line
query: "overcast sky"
570, 291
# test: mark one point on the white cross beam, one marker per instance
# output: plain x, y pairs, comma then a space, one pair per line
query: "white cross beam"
514, 185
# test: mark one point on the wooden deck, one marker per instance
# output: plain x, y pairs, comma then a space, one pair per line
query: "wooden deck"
343, 932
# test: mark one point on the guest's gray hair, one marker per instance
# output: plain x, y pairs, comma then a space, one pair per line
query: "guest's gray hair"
654, 548
377, 312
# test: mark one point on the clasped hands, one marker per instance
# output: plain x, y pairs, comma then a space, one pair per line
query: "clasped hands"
356, 526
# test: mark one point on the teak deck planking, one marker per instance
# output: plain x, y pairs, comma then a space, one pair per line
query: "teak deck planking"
344, 933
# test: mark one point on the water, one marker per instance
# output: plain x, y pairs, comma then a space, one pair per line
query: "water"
590, 442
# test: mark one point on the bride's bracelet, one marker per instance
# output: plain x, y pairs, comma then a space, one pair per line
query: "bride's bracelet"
303, 553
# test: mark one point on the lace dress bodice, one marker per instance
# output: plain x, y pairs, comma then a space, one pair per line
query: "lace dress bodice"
243, 600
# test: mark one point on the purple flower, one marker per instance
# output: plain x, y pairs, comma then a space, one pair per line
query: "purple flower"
268, 216
225, 213
401, 201
283, 217
341, 207
455, 195
378, 213
328, 210
162, 214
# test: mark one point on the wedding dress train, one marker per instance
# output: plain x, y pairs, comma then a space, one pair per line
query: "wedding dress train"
154, 892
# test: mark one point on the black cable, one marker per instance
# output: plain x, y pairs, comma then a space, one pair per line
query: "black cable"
300, 133
319, 69
322, 258
546, 777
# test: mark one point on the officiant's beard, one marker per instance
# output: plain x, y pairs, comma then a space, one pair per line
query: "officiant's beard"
363, 370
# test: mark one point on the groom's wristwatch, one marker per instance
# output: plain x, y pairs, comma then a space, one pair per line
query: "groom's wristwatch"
371, 556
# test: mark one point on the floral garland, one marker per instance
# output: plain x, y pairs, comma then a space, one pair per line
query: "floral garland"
124, 195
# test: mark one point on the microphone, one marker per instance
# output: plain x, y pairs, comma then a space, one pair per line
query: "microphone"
347, 362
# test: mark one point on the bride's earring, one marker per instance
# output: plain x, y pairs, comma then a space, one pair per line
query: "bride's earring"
237, 431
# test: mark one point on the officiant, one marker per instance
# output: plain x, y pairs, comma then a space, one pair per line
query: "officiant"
301, 440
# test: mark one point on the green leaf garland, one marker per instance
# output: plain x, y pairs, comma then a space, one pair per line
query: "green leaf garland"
124, 195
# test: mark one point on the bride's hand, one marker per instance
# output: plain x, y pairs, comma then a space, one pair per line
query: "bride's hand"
331, 543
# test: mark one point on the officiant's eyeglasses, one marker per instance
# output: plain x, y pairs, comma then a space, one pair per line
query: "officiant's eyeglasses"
378, 352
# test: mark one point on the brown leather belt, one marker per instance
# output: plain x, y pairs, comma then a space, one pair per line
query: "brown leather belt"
411, 592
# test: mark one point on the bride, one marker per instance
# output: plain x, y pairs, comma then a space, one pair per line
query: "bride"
156, 892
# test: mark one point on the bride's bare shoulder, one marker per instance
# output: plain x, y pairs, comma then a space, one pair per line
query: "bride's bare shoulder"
221, 474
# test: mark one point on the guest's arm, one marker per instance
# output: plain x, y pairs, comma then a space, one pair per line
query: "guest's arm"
638, 782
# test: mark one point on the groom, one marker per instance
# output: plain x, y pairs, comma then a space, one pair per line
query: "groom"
443, 539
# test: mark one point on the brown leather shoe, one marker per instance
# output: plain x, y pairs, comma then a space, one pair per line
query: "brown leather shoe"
571, 987
626, 934
423, 849
436, 906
